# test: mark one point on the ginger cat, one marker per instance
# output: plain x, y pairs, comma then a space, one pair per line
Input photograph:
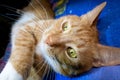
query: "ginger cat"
69, 45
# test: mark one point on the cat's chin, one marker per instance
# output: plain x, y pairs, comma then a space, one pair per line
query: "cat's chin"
43, 49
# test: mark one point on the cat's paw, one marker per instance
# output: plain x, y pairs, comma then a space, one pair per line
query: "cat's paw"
9, 73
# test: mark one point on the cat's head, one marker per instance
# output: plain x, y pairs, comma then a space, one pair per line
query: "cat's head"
70, 42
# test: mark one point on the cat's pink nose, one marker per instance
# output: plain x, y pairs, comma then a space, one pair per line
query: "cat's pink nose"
49, 41
53, 40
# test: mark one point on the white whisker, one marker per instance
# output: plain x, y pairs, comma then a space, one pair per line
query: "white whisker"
8, 17
52, 75
47, 73
18, 11
41, 62
36, 18
43, 9
9, 14
36, 10
43, 65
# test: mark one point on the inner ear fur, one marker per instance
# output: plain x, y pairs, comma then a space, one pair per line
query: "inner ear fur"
106, 56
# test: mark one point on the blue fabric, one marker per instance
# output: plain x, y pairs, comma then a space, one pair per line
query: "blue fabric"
102, 73
109, 34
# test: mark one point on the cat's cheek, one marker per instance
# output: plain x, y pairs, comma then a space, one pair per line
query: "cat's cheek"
9, 73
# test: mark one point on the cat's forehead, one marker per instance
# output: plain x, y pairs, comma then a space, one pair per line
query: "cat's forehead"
70, 18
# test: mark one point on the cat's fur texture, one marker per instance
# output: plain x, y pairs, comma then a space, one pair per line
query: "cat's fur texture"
38, 41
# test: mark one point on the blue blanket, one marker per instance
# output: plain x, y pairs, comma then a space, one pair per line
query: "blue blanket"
109, 33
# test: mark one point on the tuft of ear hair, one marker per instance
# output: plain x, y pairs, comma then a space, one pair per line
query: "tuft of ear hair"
92, 15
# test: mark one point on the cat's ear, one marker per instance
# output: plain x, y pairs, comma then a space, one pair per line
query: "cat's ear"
92, 15
106, 56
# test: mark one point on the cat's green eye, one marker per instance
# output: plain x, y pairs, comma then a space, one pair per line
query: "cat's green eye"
71, 52
65, 27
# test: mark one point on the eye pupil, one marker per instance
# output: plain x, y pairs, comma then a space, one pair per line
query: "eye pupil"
65, 26
71, 52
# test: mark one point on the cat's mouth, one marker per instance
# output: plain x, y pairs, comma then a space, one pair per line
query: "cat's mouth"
45, 51
56, 65
53, 61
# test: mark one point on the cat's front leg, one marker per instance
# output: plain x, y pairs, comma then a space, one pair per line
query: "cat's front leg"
22, 55
9, 73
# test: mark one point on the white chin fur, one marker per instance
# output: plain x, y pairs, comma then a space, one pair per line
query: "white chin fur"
42, 49
9, 73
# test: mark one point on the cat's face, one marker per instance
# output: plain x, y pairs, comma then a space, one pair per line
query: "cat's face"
67, 44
